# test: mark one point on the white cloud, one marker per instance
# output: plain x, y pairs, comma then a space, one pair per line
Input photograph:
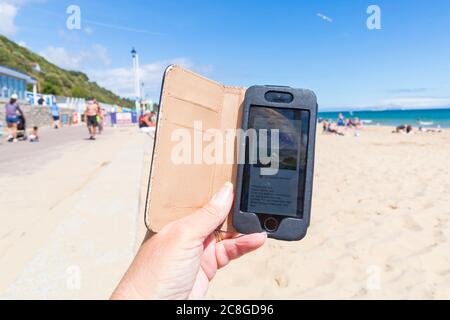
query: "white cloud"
324, 17
408, 90
417, 102
9, 10
100, 53
76, 60
122, 28
120, 80
22, 44
62, 58
8, 13
69, 36
88, 30
406, 103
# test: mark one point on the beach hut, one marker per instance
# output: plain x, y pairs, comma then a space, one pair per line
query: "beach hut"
13, 81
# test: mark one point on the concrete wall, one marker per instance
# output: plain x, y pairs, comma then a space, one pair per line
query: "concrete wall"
35, 115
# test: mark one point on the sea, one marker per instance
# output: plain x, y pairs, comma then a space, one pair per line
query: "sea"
430, 118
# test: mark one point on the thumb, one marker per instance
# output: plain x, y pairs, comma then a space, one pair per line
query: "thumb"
207, 219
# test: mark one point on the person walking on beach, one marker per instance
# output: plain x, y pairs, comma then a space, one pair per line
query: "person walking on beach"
55, 115
341, 120
100, 118
90, 116
41, 101
12, 109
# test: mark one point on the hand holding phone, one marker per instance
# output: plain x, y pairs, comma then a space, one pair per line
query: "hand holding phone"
275, 175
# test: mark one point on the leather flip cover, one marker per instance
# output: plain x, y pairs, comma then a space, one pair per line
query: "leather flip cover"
176, 190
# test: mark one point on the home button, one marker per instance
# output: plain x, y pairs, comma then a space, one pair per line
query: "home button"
271, 224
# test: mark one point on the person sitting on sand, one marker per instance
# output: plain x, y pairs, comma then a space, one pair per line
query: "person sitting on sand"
333, 129
325, 126
426, 130
357, 123
348, 123
400, 129
180, 261
404, 129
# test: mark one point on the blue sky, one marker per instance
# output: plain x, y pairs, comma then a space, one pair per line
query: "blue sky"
247, 42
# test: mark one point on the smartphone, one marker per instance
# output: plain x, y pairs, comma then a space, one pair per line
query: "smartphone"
276, 162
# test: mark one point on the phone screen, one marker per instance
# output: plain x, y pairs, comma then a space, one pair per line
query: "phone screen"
282, 136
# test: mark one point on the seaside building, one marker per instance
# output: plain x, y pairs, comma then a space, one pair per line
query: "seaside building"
12, 81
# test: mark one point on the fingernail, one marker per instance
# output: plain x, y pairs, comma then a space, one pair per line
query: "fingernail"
221, 197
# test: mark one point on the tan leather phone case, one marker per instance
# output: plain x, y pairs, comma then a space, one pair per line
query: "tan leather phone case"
177, 190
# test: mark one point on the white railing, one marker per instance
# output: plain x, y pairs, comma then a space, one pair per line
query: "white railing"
76, 104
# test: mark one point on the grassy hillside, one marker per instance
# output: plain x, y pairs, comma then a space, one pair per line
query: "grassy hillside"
52, 79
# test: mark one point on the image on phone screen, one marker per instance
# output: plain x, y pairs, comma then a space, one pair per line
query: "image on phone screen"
282, 193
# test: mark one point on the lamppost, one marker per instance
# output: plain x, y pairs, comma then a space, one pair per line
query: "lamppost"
143, 97
137, 81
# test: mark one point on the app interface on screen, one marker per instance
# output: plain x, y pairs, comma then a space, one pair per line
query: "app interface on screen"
278, 194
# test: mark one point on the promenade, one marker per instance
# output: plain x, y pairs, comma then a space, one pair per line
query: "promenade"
70, 212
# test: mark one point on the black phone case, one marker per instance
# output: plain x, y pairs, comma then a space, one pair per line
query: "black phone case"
290, 229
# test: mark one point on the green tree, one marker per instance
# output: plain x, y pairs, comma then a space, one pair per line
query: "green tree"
49, 88
79, 92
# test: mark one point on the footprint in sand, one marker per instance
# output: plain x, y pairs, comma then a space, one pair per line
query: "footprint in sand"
274, 245
325, 279
363, 292
442, 223
393, 207
105, 164
444, 273
423, 251
242, 281
410, 224
282, 281
440, 237
6, 235
428, 206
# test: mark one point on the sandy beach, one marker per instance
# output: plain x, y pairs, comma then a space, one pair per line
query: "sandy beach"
380, 226
380, 223
95, 93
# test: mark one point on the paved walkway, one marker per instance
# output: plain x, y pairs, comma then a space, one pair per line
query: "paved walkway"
70, 214
25, 155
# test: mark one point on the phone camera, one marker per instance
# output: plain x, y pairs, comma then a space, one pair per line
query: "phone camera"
279, 97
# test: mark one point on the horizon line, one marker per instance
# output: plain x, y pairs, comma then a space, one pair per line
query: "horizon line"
379, 109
